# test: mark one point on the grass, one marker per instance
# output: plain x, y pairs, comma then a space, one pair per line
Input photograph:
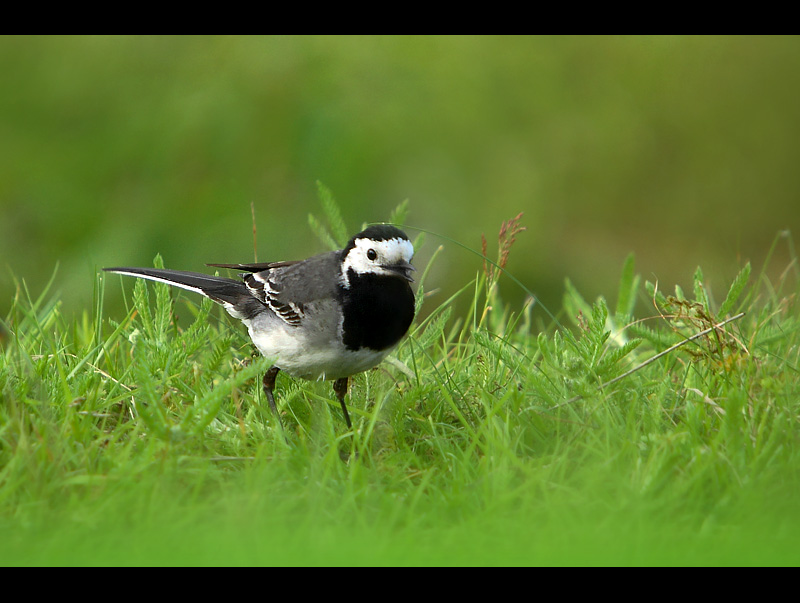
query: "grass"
490, 437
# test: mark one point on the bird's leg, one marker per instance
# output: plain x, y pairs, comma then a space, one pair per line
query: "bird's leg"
340, 389
269, 385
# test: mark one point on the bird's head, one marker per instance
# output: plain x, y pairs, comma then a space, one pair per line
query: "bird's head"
380, 249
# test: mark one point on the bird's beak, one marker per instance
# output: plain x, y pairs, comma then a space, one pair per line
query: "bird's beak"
403, 269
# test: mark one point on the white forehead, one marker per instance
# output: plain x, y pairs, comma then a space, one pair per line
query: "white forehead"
389, 251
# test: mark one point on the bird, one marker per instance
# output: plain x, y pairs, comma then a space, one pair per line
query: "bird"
327, 317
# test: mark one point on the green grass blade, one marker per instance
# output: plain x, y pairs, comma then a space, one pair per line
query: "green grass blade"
735, 290
628, 286
334, 215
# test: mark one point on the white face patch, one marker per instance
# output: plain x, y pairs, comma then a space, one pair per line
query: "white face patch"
370, 257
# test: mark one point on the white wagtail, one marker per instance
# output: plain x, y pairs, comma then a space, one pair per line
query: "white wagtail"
327, 317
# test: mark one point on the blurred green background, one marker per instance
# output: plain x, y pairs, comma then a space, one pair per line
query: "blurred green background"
683, 150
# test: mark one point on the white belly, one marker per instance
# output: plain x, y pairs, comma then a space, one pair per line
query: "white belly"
311, 351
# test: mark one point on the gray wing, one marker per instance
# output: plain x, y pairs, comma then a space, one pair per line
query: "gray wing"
287, 287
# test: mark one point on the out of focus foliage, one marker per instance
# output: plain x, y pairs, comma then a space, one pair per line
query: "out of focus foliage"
113, 149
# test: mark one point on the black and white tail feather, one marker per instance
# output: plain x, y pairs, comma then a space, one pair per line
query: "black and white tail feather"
232, 294
327, 317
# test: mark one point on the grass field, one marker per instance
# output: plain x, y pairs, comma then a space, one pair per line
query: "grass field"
493, 436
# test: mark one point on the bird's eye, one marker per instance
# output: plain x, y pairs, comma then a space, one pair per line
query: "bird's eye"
372, 254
